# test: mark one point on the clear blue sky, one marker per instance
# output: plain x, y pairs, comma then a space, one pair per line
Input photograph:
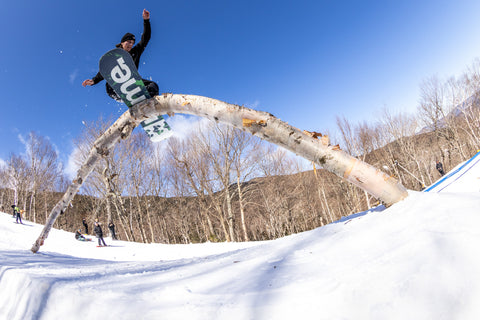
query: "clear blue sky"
303, 61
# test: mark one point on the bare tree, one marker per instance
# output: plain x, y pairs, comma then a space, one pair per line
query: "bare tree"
437, 105
43, 167
244, 166
17, 178
141, 178
401, 128
191, 174
469, 107
217, 144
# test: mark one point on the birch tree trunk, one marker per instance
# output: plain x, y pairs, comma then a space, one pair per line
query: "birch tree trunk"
242, 211
230, 217
121, 129
261, 124
269, 128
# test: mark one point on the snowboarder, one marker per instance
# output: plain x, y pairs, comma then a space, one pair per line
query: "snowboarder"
99, 234
439, 167
127, 43
85, 225
111, 226
79, 236
14, 211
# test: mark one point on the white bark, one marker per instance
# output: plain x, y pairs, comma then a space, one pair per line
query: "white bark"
269, 128
261, 124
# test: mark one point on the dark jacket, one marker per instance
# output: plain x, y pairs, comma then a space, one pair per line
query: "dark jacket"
78, 235
439, 166
136, 51
98, 231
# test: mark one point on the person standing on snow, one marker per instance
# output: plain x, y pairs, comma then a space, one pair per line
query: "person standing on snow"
439, 167
127, 43
18, 214
85, 225
111, 226
99, 234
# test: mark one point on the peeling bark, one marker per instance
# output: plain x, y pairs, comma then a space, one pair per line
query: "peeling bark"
261, 124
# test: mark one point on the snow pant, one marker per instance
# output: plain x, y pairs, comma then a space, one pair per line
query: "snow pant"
19, 217
112, 232
100, 241
151, 86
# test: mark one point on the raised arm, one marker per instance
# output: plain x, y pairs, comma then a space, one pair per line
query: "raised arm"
146, 14
147, 30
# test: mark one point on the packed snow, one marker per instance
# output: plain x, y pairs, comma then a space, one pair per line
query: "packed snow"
418, 259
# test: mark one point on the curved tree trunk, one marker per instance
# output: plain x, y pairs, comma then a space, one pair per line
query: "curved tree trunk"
269, 128
261, 124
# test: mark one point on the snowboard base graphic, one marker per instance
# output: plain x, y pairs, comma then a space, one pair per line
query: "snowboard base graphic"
119, 70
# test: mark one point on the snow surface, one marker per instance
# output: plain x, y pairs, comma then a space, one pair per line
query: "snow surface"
418, 259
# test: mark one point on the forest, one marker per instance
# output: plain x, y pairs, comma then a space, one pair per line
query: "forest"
222, 184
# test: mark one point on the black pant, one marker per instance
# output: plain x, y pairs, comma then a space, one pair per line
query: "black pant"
151, 86
100, 241
112, 232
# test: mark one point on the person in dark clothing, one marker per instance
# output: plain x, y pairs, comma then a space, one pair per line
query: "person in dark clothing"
14, 211
111, 226
79, 236
126, 43
439, 167
85, 225
99, 234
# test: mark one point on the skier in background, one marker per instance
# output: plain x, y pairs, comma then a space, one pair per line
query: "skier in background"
18, 214
85, 225
79, 236
127, 43
111, 226
99, 233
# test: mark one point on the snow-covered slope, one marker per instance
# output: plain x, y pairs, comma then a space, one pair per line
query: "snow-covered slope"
418, 259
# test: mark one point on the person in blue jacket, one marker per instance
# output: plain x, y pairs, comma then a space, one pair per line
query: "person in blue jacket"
127, 43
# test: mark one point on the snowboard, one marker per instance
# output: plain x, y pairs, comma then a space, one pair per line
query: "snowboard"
119, 70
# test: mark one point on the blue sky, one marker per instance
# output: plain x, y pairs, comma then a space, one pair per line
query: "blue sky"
306, 62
